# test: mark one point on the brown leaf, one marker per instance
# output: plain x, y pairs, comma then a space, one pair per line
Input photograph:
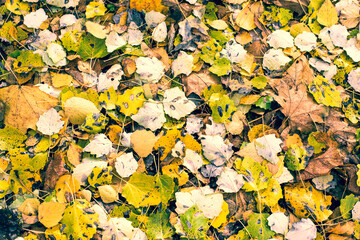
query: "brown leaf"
342, 228
197, 82
322, 164
24, 105
55, 169
339, 237
350, 16
351, 174
297, 104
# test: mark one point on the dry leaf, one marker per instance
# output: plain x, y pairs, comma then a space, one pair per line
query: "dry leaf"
142, 142
245, 19
50, 213
24, 105
197, 82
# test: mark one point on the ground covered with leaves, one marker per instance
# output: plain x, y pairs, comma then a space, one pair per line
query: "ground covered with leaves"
193, 119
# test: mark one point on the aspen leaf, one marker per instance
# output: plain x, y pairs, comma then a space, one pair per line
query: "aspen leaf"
194, 223
50, 122
230, 181
158, 226
95, 8
278, 222
143, 142
126, 165
147, 5
258, 226
17, 7
99, 146
245, 19
35, 19
77, 108
108, 194
66, 184
347, 204
327, 14
325, 92
131, 101
10, 138
51, 213
176, 105
304, 229
150, 115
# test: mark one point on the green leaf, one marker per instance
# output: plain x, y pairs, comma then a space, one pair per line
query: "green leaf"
222, 108
296, 158
221, 67
158, 226
259, 82
11, 138
325, 92
12, 33
26, 61
166, 187
347, 204
210, 11
71, 40
210, 51
79, 221
92, 47
278, 15
194, 223
318, 146
258, 226
264, 102
256, 176
215, 88
141, 191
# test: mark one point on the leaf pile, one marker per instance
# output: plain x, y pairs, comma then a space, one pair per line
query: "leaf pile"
173, 119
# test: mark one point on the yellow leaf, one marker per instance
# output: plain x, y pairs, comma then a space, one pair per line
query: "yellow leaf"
221, 218
29, 207
143, 142
173, 170
66, 184
166, 143
50, 213
131, 101
61, 80
18, 7
327, 15
147, 5
54, 233
245, 19
4, 187
95, 9
272, 194
307, 202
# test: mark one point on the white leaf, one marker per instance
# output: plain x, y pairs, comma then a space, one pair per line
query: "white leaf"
44, 39
324, 182
135, 36
55, 52
192, 160
102, 220
355, 212
278, 222
176, 105
49, 89
191, 1
305, 41
114, 41
234, 51
285, 176
126, 165
182, 64
216, 150
150, 115
193, 125
84, 169
338, 35
215, 128
351, 50
280, 39
99, 146
230, 181
110, 79
218, 24
268, 147
35, 19
89, 80
159, 33
48, 61
95, 29
63, 3
205, 198
178, 150
125, 139
354, 79
50, 123
153, 18
302, 230
150, 70
122, 229
275, 59
67, 20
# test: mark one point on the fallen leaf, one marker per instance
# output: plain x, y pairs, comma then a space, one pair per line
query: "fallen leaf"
143, 142
51, 213
327, 14
24, 105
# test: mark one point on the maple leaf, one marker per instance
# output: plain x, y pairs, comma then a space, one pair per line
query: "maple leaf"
24, 105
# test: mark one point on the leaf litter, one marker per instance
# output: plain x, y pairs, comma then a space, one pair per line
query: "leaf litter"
175, 119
